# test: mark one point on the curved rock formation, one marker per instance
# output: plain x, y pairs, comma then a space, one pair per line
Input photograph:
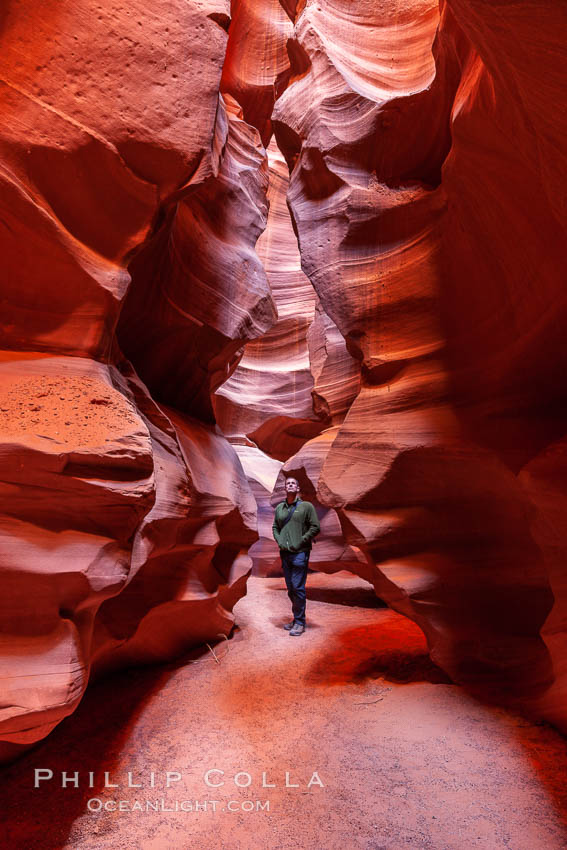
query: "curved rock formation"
125, 525
398, 344
77, 478
189, 556
268, 398
544, 482
257, 66
124, 534
411, 172
99, 127
199, 290
295, 380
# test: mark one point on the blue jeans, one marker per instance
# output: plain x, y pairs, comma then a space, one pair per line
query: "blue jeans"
294, 565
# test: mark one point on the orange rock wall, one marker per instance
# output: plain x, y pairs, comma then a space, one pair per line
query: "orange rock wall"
424, 190
125, 524
396, 340
290, 384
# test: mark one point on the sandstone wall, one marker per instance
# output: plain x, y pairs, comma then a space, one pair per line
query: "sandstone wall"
424, 193
127, 183
397, 341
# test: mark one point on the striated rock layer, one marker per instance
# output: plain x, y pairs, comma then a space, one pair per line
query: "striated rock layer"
125, 524
397, 344
123, 537
99, 128
295, 380
257, 66
199, 290
267, 399
424, 191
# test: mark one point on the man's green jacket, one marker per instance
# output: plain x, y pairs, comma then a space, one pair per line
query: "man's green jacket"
297, 534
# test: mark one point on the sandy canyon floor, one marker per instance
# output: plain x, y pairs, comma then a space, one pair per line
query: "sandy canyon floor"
406, 759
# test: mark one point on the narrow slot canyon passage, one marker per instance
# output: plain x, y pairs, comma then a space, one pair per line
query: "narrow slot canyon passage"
251, 240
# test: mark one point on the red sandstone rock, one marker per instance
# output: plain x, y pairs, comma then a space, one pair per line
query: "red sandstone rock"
421, 201
77, 476
336, 375
124, 534
427, 195
289, 384
543, 480
298, 377
505, 228
256, 68
268, 399
99, 126
189, 561
199, 290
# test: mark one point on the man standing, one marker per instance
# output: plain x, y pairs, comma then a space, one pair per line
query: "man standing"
295, 526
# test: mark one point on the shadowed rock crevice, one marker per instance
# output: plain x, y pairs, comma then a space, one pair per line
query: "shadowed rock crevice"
374, 304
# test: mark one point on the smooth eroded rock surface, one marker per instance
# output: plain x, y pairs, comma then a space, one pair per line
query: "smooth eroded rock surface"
124, 533
125, 526
375, 304
429, 225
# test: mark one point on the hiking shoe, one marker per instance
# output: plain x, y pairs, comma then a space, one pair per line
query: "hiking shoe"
297, 629
289, 626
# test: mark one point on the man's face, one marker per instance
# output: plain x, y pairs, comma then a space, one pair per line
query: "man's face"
291, 485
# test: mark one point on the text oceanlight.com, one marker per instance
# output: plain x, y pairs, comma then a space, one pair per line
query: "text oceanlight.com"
96, 804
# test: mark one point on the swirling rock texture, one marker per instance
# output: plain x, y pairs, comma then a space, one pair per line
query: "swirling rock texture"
409, 321
77, 478
125, 524
199, 290
291, 383
267, 399
74, 117
425, 191
257, 65
123, 539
